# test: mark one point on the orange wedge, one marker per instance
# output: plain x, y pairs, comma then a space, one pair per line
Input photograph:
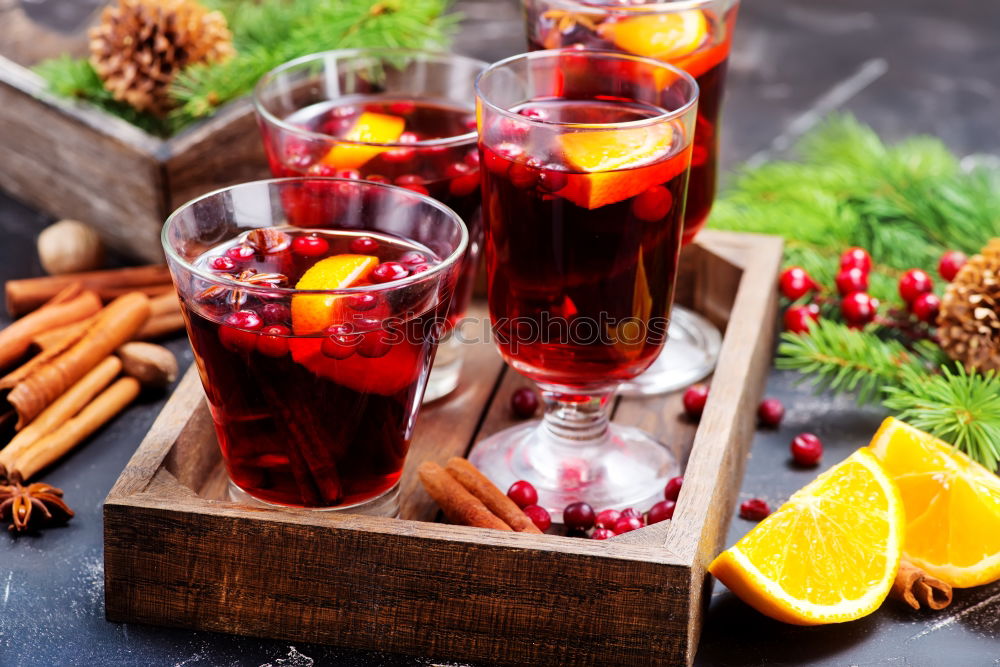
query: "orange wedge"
311, 313
829, 554
662, 36
369, 127
952, 505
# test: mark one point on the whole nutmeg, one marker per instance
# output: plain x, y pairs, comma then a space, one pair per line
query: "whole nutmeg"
152, 365
70, 246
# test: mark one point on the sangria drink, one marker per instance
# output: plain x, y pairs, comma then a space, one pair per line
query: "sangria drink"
314, 344
387, 116
585, 161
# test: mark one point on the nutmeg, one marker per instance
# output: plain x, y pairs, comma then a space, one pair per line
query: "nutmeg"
70, 246
152, 365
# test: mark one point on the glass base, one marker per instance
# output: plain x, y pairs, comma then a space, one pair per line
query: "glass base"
386, 504
446, 370
628, 468
689, 355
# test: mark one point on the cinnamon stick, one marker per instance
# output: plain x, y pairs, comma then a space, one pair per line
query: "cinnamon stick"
917, 588
56, 338
53, 446
115, 324
495, 500
25, 295
455, 501
62, 409
159, 326
164, 304
61, 310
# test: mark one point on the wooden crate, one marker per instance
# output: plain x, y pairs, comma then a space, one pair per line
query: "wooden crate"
179, 553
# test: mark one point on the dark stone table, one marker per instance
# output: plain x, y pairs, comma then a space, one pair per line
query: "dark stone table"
903, 66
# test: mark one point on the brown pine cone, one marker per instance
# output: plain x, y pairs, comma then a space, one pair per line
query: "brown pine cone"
969, 321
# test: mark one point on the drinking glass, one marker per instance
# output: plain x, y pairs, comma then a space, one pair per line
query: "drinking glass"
313, 346
390, 116
694, 35
585, 160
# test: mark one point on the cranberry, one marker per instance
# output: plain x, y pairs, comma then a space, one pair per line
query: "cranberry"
398, 155
631, 512
273, 341
533, 114
926, 307
350, 174
324, 170
754, 509
377, 178
795, 283
402, 108
694, 400
673, 488
419, 189
552, 180
856, 258
362, 302
602, 534
770, 412
914, 283
463, 186
366, 323
470, 123
859, 308
374, 344
419, 268
799, 319
408, 138
661, 511
310, 246
409, 179
236, 331
472, 158
851, 280
652, 204
522, 493
364, 245
539, 516
413, 258
807, 449
626, 524
951, 263
499, 160
607, 518
523, 176
579, 516
223, 263
524, 403
699, 155
340, 341
240, 253
275, 313
388, 271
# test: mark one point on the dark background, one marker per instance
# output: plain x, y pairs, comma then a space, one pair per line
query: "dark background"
903, 66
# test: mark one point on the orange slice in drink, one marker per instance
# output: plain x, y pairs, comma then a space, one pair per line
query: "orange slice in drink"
311, 313
369, 127
662, 36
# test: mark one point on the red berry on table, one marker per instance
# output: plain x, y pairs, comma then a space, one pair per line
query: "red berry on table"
673, 488
754, 509
539, 516
694, 400
364, 245
602, 534
626, 524
926, 307
579, 516
807, 449
856, 258
851, 280
522, 493
273, 341
770, 412
388, 271
310, 246
631, 513
607, 519
524, 402
223, 263
795, 283
799, 319
914, 283
950, 264
661, 511
859, 308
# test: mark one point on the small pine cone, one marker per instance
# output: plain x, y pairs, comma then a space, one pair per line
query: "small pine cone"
140, 45
969, 321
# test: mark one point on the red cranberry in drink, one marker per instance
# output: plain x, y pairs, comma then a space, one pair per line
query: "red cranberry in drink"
795, 283
856, 258
464, 186
661, 511
851, 280
310, 246
419, 268
402, 108
607, 518
472, 158
552, 180
914, 283
799, 319
626, 524
351, 174
364, 245
240, 253
951, 263
273, 341
579, 516
236, 333
340, 341
275, 313
770, 412
653, 204
694, 400
223, 263
408, 179
413, 258
523, 176
533, 114
524, 403
522, 493
926, 307
499, 159
673, 488
539, 516
377, 178
374, 344
399, 155
631, 513
602, 534
754, 509
362, 302
807, 449
323, 170
859, 308
388, 271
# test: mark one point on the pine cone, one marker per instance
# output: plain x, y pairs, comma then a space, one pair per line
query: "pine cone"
969, 322
140, 45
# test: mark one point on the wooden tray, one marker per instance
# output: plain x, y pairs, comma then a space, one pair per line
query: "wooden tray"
178, 552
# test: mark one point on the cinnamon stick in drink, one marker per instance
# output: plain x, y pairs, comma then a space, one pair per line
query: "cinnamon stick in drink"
486, 491
455, 501
69, 306
919, 589
25, 295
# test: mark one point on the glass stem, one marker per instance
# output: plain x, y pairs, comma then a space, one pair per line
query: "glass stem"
575, 417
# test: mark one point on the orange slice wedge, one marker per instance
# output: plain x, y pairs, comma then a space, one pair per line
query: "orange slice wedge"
829, 554
369, 127
662, 36
311, 313
952, 505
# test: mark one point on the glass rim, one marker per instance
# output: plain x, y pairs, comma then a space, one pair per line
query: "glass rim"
225, 279
442, 56
590, 53
660, 7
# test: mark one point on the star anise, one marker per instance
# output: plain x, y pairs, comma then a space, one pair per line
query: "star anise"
237, 297
267, 241
32, 506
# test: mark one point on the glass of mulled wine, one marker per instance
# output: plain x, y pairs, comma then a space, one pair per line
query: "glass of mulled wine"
390, 116
694, 35
585, 159
314, 342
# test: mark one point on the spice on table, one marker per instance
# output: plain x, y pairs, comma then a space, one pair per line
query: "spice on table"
31, 506
919, 589
455, 501
486, 491
27, 294
70, 305
70, 246
152, 365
